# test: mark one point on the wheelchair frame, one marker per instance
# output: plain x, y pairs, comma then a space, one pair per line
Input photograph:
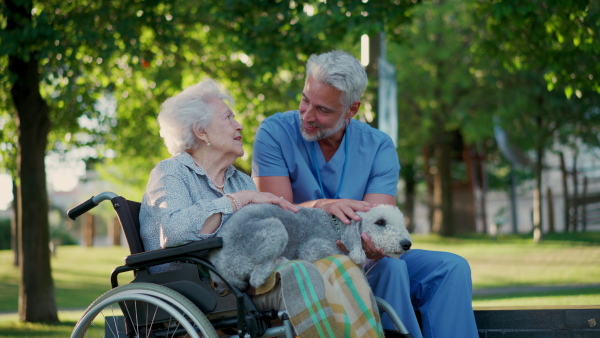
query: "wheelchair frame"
180, 295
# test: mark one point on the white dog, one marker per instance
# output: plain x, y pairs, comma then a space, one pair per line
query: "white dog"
260, 237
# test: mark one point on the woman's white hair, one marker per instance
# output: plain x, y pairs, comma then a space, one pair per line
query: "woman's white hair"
188, 111
340, 70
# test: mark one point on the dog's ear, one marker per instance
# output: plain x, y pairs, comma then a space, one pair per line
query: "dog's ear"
353, 242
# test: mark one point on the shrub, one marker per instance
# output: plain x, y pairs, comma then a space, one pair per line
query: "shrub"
60, 235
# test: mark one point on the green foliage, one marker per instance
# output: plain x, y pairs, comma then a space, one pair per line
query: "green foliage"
437, 88
558, 37
8, 126
454, 73
256, 50
138, 54
536, 117
61, 236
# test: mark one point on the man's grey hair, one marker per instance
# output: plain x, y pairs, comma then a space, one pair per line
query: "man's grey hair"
188, 111
340, 70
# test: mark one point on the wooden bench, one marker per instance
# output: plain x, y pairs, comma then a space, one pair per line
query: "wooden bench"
538, 322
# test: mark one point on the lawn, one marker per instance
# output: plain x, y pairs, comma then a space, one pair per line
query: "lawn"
563, 271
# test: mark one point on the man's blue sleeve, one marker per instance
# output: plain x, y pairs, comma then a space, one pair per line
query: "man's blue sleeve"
385, 171
267, 154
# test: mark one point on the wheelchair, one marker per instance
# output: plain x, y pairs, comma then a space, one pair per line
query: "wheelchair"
177, 303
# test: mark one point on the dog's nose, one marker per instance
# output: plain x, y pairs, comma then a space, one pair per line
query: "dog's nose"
405, 244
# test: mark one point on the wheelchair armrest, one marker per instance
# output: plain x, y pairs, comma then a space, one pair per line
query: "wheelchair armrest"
144, 258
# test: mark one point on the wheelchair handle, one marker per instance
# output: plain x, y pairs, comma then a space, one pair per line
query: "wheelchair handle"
90, 204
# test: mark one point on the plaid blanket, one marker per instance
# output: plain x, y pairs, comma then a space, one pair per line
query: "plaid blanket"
329, 298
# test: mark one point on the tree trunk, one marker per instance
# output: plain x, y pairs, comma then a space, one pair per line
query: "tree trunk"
563, 169
575, 199
443, 215
537, 196
14, 224
584, 205
88, 230
36, 291
551, 228
430, 180
408, 174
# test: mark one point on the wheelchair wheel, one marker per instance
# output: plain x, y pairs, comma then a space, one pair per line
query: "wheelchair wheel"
148, 310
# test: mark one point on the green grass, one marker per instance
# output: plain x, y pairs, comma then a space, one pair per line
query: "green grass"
516, 261
11, 327
80, 276
527, 271
520, 273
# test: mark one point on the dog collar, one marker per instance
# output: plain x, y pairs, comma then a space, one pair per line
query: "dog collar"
336, 224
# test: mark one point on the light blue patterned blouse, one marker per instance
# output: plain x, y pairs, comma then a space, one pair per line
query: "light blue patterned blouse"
179, 198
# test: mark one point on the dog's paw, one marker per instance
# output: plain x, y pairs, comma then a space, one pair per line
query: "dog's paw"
280, 261
262, 271
358, 256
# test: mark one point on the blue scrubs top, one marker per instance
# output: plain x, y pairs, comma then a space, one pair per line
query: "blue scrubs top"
280, 150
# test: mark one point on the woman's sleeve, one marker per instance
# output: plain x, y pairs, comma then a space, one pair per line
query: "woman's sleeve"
179, 218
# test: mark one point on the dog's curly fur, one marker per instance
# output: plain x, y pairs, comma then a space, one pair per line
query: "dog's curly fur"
260, 237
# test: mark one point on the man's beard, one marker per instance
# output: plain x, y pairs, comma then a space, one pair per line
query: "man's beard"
322, 133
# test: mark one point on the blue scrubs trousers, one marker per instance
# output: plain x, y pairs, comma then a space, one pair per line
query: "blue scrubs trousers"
437, 284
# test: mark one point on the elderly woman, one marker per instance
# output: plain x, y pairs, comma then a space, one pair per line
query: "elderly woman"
190, 195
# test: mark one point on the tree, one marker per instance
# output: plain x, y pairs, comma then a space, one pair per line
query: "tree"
540, 120
36, 292
437, 87
557, 37
257, 49
551, 42
55, 53
64, 57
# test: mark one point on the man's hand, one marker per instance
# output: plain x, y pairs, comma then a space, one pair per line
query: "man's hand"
371, 251
344, 209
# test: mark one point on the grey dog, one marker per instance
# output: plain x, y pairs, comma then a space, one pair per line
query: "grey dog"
260, 237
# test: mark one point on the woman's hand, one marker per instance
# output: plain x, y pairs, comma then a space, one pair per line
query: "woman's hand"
256, 197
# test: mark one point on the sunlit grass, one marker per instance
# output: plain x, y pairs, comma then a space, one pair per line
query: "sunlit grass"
10, 326
80, 276
510, 263
514, 261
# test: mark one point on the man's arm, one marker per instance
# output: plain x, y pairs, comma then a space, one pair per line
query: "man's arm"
343, 209
276, 185
380, 199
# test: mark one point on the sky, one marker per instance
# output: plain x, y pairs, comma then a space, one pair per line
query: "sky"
6, 195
